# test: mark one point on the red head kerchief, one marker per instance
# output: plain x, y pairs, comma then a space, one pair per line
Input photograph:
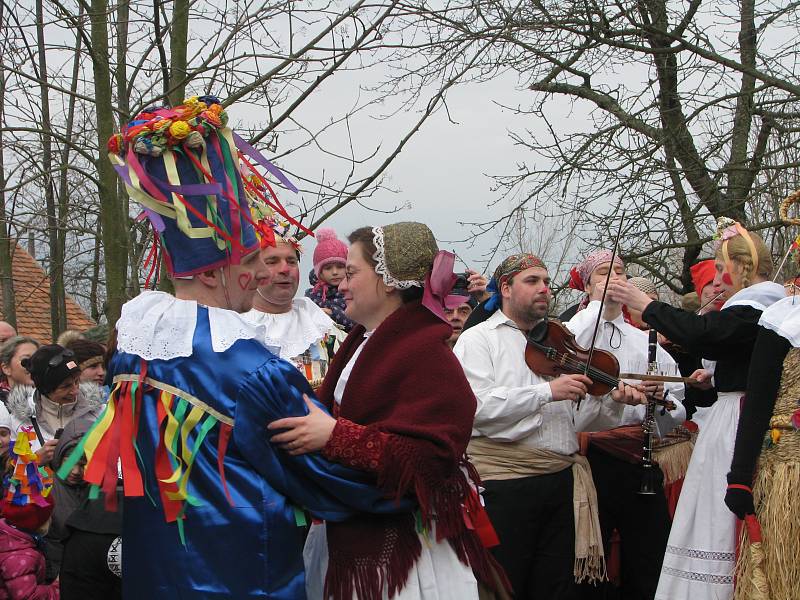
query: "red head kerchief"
702, 274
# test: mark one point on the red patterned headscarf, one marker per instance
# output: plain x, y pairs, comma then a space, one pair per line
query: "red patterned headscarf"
579, 276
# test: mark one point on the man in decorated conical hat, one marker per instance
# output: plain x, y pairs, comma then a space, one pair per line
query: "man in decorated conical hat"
212, 509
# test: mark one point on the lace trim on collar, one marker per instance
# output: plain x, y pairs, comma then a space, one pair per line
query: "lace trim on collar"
293, 332
156, 325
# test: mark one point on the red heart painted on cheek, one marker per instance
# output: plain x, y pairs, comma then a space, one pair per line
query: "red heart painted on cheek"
726, 279
244, 280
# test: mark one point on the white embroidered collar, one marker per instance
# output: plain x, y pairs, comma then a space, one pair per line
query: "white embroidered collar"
157, 325
295, 331
783, 318
759, 296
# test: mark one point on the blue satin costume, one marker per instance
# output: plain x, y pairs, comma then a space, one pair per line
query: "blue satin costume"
195, 197
252, 549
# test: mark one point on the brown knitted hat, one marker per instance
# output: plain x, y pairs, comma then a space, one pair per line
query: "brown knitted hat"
87, 353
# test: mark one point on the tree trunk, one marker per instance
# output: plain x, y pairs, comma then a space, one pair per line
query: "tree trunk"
63, 183
692, 251
6, 272
123, 101
95, 285
178, 42
58, 308
113, 218
738, 172
673, 119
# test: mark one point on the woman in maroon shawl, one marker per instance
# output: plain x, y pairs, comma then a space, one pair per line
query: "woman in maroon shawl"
403, 411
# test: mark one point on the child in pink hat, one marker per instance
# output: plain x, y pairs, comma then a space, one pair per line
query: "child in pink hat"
330, 256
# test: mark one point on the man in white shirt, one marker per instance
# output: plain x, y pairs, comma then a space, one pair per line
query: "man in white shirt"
538, 489
296, 326
642, 521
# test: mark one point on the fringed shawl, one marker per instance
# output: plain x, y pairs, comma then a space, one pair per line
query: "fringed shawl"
410, 392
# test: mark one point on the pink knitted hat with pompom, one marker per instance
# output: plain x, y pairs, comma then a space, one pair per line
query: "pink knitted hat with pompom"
329, 249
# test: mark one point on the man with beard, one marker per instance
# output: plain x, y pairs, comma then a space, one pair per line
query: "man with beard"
299, 330
539, 491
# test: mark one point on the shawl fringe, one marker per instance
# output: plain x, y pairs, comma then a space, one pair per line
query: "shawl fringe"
359, 572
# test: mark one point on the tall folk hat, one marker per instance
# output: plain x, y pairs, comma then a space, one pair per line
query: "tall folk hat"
197, 183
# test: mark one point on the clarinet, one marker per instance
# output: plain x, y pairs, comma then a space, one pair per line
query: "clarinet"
647, 487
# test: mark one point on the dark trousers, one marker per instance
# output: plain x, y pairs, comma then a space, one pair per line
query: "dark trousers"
84, 569
643, 524
533, 517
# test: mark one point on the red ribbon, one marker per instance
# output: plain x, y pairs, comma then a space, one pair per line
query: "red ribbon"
476, 519
753, 528
225, 431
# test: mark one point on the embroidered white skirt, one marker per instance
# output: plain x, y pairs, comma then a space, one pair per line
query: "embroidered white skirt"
437, 575
701, 552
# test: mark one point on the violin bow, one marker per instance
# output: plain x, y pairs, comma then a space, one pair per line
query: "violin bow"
700, 310
603, 301
795, 243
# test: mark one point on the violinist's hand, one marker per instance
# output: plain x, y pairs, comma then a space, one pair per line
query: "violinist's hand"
703, 379
653, 388
628, 394
628, 294
569, 387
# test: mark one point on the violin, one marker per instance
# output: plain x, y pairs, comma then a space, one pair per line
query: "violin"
552, 350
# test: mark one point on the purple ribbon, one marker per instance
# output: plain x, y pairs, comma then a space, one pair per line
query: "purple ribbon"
242, 145
189, 189
438, 285
154, 217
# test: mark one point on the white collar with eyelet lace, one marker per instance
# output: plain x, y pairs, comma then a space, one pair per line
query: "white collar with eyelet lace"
157, 325
295, 330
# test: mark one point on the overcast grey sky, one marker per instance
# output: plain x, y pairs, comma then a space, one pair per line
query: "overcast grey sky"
442, 174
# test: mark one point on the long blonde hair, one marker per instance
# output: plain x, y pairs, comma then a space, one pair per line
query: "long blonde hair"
749, 252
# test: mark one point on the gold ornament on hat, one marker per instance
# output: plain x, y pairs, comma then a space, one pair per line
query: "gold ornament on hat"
404, 253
